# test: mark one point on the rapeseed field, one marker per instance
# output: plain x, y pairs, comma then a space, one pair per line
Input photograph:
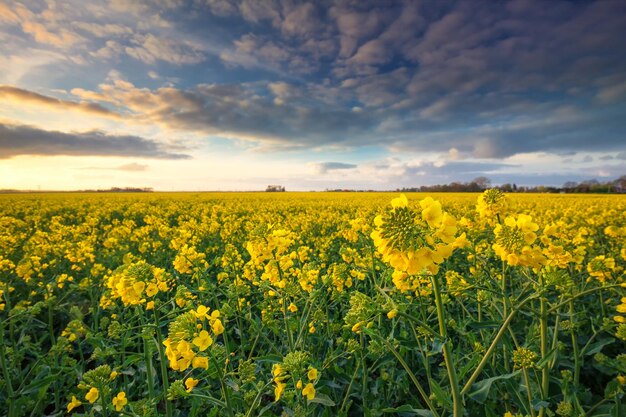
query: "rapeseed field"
312, 304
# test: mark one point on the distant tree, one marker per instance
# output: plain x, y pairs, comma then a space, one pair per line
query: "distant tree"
482, 182
620, 183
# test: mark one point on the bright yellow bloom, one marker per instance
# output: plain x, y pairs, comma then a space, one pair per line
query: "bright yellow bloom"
92, 395
217, 327
312, 374
119, 401
399, 201
190, 383
278, 390
152, 289
309, 391
202, 312
73, 404
113, 375
200, 362
203, 341
431, 212
392, 313
292, 307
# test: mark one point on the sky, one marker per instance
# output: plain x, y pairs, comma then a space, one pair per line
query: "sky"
236, 95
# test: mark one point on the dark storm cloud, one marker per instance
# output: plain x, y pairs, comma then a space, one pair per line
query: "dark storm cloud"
489, 79
9, 93
325, 167
27, 140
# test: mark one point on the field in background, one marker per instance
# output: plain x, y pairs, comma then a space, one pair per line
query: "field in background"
312, 304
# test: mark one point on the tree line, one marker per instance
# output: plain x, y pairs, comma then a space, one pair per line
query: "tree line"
480, 184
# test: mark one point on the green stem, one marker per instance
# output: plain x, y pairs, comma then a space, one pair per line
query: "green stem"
256, 399
149, 367
545, 371
528, 391
220, 375
212, 400
457, 399
345, 398
505, 312
57, 399
163, 366
7, 376
580, 294
287, 328
572, 332
408, 370
492, 347
595, 407
364, 375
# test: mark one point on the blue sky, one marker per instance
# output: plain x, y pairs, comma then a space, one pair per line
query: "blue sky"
220, 94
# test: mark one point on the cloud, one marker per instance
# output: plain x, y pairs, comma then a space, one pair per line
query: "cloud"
135, 167
44, 26
325, 167
105, 30
403, 76
221, 7
132, 167
28, 140
24, 96
150, 48
237, 111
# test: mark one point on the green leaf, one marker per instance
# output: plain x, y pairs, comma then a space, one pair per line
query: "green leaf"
37, 384
407, 409
538, 404
442, 396
437, 346
487, 324
544, 361
597, 347
322, 399
481, 389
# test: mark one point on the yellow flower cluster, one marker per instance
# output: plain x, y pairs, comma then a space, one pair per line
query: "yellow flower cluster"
602, 268
191, 334
271, 254
135, 283
621, 309
413, 241
188, 260
514, 239
280, 375
492, 204
456, 283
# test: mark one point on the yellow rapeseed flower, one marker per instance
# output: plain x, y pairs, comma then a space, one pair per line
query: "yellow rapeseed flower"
200, 362
278, 390
92, 395
203, 341
73, 404
190, 383
119, 401
309, 391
